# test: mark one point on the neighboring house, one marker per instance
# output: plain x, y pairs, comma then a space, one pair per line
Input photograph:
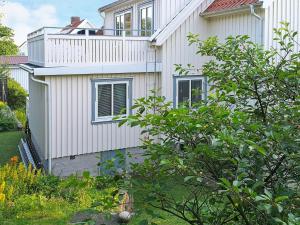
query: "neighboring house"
80, 82
78, 26
23, 49
15, 72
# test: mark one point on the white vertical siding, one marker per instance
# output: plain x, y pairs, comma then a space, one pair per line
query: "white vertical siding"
176, 50
281, 11
72, 130
236, 24
164, 12
36, 116
21, 76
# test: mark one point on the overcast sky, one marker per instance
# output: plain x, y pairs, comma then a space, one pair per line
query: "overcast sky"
25, 16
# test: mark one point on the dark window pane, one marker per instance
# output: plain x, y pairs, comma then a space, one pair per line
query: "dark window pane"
120, 99
196, 91
183, 91
104, 100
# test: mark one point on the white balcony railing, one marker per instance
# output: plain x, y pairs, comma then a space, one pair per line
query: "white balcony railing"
49, 49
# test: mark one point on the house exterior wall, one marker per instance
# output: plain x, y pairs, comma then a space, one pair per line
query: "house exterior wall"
164, 12
21, 76
278, 11
218, 26
36, 117
73, 132
237, 24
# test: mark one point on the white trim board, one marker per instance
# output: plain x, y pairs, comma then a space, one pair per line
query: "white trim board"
101, 69
171, 27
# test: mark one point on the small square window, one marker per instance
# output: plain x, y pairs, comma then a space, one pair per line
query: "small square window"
189, 90
112, 98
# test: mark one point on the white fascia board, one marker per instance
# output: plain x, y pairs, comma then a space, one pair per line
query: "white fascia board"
103, 69
177, 21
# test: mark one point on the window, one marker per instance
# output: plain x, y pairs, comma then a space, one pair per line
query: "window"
146, 20
123, 23
112, 98
189, 90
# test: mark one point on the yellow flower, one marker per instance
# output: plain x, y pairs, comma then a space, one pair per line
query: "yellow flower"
2, 186
2, 198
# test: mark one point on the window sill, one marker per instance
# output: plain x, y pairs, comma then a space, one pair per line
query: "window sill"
106, 120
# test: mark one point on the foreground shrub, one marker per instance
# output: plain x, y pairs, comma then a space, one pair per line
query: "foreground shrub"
236, 156
16, 96
8, 120
28, 193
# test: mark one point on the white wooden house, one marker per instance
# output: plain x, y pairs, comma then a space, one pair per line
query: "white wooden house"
15, 72
80, 81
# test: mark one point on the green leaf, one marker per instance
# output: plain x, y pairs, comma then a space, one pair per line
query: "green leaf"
186, 179
281, 198
144, 222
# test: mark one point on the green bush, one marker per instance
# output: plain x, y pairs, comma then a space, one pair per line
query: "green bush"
26, 193
8, 120
21, 116
16, 97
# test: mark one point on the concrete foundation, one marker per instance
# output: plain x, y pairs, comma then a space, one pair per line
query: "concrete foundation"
67, 166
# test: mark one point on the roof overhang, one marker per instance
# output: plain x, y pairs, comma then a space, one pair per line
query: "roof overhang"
240, 9
114, 4
87, 70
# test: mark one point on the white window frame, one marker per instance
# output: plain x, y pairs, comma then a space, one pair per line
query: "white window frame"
190, 87
110, 118
120, 14
145, 6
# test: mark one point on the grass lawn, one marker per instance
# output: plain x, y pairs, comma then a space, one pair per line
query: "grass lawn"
8, 145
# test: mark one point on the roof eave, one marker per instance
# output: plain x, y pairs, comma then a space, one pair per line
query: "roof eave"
111, 5
242, 8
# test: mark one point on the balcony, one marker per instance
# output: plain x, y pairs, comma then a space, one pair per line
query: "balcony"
53, 47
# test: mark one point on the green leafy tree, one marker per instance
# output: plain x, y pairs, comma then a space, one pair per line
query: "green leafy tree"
233, 159
7, 45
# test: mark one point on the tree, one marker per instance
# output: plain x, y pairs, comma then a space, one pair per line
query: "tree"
7, 45
4, 73
234, 158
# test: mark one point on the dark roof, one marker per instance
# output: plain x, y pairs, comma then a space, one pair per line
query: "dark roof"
115, 3
13, 60
220, 5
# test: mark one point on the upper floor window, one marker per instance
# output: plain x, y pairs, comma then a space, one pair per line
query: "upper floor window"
123, 22
146, 20
189, 90
111, 98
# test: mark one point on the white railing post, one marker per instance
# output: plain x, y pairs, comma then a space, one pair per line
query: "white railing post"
45, 57
124, 45
87, 45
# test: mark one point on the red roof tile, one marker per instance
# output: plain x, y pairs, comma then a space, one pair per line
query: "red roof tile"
13, 60
220, 5
69, 28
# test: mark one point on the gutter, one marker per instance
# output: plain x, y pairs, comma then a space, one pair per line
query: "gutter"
252, 10
242, 8
48, 123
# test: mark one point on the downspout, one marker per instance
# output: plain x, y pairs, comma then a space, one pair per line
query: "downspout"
48, 124
252, 10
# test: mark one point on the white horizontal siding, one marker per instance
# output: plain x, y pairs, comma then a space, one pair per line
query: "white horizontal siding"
281, 11
21, 76
72, 130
